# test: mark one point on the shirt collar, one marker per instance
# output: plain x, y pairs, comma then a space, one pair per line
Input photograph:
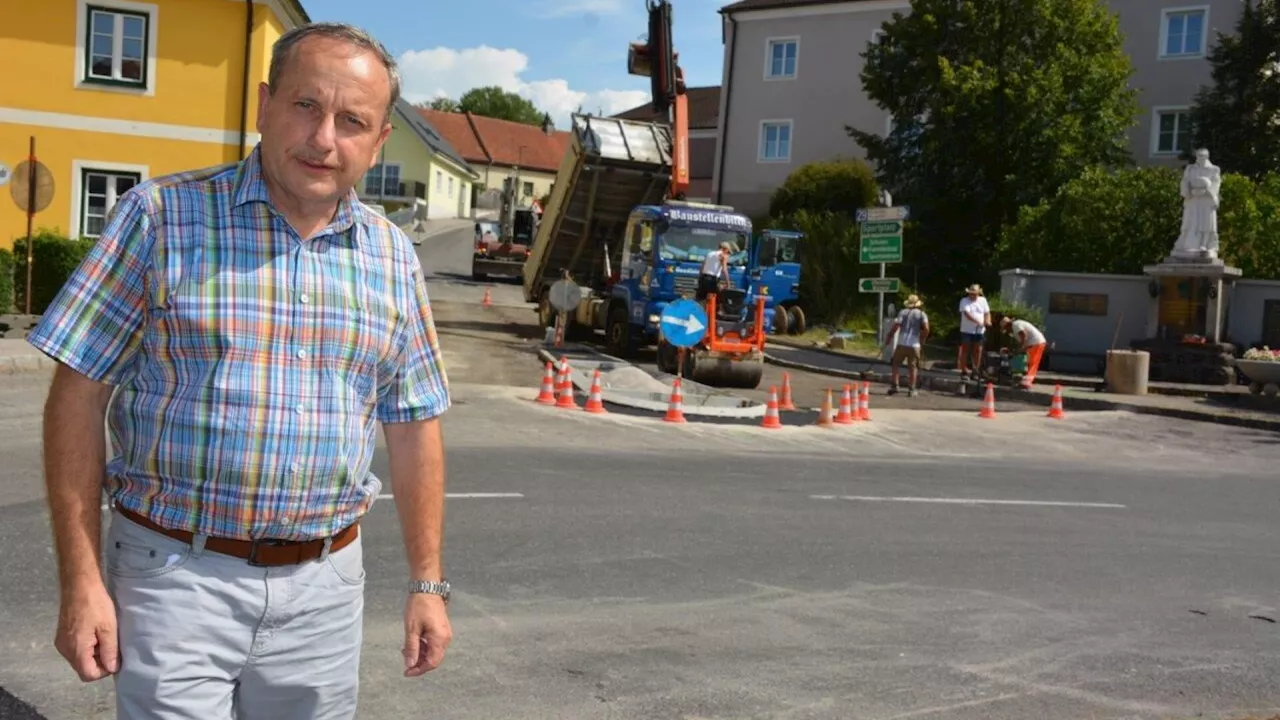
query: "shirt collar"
250, 187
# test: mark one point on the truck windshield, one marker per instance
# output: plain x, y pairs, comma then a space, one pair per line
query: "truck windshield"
691, 244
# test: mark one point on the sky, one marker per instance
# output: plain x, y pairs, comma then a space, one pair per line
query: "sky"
561, 54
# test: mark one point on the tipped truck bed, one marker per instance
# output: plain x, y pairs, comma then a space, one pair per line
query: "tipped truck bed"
612, 166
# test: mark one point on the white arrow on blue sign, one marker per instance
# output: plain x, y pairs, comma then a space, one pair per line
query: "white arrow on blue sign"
683, 323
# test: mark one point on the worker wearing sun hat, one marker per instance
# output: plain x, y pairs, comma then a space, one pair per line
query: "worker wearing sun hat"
1032, 342
912, 328
975, 318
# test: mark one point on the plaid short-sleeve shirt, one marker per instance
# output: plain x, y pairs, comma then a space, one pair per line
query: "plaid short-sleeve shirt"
251, 364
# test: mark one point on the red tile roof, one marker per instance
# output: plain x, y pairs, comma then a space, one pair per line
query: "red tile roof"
704, 109
489, 141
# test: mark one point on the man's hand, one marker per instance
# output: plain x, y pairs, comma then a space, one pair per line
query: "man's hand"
426, 633
86, 634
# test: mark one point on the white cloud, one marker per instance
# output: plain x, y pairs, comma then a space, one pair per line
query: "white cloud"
445, 72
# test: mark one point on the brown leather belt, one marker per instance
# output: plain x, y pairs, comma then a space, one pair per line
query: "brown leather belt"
260, 553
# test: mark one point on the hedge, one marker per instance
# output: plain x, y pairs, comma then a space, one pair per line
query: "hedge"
55, 258
6, 281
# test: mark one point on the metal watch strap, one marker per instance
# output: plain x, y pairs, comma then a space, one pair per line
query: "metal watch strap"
431, 587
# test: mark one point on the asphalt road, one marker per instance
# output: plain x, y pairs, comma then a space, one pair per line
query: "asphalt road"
927, 564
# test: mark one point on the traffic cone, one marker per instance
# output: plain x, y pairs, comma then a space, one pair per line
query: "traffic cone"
771, 419
864, 401
675, 408
595, 404
1055, 408
989, 403
784, 401
566, 400
488, 299
825, 413
547, 395
846, 416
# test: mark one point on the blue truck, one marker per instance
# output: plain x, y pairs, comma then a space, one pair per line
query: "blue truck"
774, 271
611, 228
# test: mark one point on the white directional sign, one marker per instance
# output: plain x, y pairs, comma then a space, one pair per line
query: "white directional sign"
902, 212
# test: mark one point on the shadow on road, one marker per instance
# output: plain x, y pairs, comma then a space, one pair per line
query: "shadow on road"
466, 279
521, 330
11, 708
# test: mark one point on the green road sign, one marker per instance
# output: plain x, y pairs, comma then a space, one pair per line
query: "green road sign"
878, 285
892, 228
883, 249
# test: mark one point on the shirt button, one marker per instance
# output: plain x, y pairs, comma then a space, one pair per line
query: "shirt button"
293, 467
302, 354
301, 408
286, 520
304, 298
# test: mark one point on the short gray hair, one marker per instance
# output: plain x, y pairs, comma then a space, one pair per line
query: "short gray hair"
345, 32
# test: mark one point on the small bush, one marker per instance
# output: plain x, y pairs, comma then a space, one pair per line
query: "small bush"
6, 281
837, 186
55, 258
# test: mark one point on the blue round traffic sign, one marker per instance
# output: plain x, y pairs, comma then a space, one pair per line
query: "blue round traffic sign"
683, 323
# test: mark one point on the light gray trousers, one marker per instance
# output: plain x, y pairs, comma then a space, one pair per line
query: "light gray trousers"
205, 636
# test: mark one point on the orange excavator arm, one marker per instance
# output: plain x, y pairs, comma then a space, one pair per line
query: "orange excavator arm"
657, 60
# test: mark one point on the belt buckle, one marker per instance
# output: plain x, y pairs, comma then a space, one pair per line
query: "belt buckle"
253, 550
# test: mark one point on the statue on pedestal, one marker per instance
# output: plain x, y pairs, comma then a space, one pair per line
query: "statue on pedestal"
1201, 183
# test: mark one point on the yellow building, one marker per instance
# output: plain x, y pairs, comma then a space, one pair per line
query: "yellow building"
118, 91
418, 164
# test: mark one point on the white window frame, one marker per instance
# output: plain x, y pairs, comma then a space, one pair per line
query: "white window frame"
876, 35
451, 186
78, 190
382, 178
1162, 47
1156, 112
760, 140
768, 58
81, 80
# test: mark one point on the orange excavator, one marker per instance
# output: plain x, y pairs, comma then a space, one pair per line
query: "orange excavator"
657, 60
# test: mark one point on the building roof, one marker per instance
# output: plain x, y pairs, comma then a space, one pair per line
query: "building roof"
429, 135
771, 4
491, 141
704, 109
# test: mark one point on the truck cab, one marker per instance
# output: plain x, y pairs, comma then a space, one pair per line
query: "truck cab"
662, 256
775, 273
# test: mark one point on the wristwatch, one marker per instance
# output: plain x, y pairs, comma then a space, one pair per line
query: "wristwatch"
431, 587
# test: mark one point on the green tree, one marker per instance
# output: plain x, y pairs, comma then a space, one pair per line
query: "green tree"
1238, 117
494, 102
1117, 222
442, 104
999, 103
840, 185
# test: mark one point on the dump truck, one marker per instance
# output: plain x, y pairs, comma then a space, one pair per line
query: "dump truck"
501, 248
610, 227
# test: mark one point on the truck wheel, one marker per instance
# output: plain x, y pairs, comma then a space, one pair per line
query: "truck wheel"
479, 276
797, 320
668, 357
781, 321
618, 336
546, 313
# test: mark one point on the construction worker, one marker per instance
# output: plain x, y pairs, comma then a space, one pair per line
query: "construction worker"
912, 329
715, 266
1032, 342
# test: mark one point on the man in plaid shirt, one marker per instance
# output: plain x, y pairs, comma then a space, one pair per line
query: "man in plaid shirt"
255, 322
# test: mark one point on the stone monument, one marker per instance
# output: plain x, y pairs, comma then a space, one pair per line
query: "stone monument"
1190, 289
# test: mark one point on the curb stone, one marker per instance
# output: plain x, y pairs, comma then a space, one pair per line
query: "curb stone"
1069, 402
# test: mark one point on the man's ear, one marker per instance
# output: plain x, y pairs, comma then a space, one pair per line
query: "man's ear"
264, 100
382, 140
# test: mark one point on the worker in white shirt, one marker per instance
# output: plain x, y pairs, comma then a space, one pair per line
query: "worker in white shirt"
714, 267
1032, 342
912, 328
975, 318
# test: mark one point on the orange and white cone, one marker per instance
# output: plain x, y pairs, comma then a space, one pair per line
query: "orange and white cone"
989, 403
675, 408
825, 413
846, 415
488, 299
595, 404
547, 394
864, 401
771, 419
784, 400
566, 400
1055, 407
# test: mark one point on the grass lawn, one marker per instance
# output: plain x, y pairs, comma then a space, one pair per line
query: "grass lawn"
864, 345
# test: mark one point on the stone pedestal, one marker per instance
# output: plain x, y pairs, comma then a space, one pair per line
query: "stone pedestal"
1187, 320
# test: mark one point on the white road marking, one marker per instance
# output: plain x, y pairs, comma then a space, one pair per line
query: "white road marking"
966, 501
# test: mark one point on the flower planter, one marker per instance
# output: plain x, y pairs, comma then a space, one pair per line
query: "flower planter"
1264, 376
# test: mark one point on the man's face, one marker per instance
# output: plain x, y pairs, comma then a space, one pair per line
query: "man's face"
324, 125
